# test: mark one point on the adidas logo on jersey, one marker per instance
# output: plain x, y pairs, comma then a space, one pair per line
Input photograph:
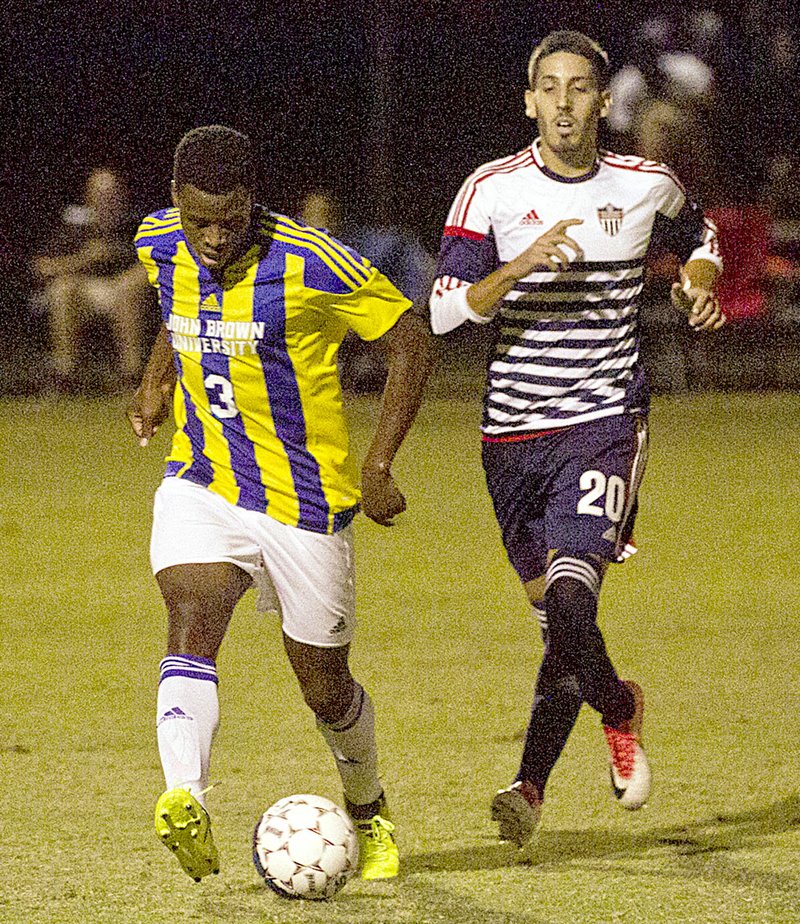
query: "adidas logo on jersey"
210, 303
532, 219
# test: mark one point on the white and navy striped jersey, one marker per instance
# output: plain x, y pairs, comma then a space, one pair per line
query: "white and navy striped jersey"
567, 346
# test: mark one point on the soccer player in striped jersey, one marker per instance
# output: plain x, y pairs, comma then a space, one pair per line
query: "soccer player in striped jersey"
260, 485
552, 242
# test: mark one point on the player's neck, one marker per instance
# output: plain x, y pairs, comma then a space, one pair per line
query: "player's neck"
576, 163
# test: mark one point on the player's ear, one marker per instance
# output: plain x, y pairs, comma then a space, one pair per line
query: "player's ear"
605, 103
530, 104
173, 192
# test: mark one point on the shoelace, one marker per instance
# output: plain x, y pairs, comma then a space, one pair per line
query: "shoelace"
378, 830
623, 750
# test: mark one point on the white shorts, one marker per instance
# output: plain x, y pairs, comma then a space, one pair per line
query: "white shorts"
308, 578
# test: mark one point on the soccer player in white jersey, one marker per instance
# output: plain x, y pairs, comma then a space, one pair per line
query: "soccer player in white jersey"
552, 242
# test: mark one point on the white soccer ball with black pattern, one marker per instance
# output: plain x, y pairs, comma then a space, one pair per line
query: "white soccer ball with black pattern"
305, 847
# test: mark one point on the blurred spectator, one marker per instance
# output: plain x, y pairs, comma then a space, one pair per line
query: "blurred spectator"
684, 138
396, 253
681, 100
660, 68
89, 269
778, 130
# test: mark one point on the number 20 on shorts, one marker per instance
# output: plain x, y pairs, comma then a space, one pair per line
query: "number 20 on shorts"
599, 489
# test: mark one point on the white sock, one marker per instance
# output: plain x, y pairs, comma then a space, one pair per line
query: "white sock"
352, 743
188, 716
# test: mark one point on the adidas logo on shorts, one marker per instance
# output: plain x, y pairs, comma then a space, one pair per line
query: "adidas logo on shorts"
340, 626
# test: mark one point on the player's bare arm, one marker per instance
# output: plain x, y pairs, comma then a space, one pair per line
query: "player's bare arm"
150, 404
695, 296
410, 351
93, 252
548, 253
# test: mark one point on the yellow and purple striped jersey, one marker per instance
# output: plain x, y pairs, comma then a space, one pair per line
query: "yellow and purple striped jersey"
258, 404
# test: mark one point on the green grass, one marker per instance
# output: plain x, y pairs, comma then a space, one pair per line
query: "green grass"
706, 616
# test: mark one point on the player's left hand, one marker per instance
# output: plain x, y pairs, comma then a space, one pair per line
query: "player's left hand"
701, 305
381, 499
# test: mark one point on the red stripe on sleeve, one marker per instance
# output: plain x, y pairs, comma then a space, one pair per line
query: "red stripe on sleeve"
453, 231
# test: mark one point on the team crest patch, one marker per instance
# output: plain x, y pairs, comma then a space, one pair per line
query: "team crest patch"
610, 219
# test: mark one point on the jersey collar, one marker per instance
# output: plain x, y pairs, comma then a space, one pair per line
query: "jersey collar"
552, 175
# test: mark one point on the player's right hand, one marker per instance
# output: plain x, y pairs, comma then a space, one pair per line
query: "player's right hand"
701, 305
548, 251
381, 499
148, 409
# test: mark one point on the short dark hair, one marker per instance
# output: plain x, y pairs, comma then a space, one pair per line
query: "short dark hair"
577, 44
215, 159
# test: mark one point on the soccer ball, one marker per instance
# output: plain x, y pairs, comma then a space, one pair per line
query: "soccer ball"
305, 847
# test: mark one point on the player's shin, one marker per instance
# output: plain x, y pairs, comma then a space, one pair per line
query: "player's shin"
573, 585
188, 716
556, 704
352, 743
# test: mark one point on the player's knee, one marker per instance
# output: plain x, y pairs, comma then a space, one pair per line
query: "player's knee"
573, 584
573, 575
187, 610
328, 696
197, 622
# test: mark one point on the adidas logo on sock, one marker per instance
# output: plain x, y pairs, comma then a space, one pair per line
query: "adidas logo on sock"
175, 713
532, 219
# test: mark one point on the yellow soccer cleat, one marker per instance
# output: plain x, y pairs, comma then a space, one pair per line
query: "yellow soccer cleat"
184, 827
378, 853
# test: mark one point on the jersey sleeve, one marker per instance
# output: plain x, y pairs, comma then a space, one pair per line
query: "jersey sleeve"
145, 255
467, 254
372, 309
341, 284
154, 229
467, 250
680, 225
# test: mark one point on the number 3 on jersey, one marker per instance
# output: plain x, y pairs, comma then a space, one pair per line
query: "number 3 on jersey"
224, 407
611, 490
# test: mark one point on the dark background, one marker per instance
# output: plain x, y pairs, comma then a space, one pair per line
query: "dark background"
391, 104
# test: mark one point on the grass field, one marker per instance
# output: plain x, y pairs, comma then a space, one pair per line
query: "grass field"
706, 617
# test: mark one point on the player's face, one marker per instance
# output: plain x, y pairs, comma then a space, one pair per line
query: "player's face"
568, 105
216, 226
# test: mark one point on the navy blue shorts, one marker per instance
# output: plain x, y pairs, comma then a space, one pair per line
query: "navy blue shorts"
573, 490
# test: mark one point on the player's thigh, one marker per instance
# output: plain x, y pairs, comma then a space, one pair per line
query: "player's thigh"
592, 500
516, 489
313, 576
323, 675
200, 600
